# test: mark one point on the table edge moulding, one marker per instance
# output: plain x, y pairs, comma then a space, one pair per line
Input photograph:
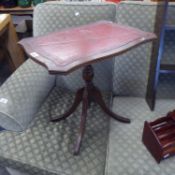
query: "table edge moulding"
37, 54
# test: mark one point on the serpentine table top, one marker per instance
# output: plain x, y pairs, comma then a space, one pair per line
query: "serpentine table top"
68, 49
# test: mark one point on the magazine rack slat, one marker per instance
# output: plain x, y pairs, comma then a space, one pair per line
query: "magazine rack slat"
159, 137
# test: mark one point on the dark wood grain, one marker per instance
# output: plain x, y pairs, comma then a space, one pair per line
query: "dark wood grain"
156, 54
87, 95
159, 137
64, 51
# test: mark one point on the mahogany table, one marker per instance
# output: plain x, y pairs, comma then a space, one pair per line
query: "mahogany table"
63, 51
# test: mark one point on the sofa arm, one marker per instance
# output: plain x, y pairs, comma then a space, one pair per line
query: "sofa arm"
22, 95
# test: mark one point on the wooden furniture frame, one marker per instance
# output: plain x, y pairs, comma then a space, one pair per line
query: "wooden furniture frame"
159, 137
67, 50
87, 95
17, 10
156, 67
9, 39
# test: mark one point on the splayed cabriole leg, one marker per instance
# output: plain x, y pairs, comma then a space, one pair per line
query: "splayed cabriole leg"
77, 100
88, 94
82, 122
99, 100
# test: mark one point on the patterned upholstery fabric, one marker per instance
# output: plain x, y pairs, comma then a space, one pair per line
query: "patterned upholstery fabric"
22, 94
126, 154
103, 77
52, 16
46, 148
131, 68
131, 79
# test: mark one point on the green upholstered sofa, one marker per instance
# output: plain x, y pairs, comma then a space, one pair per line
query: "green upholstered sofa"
33, 145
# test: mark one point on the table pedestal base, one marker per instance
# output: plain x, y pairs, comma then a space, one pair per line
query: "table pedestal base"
88, 94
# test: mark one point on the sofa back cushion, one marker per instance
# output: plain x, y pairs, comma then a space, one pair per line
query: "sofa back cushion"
52, 16
131, 68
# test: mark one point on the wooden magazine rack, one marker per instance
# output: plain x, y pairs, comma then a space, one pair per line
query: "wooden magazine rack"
159, 137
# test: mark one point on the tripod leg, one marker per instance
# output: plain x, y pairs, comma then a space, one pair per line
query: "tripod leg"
77, 100
99, 100
82, 123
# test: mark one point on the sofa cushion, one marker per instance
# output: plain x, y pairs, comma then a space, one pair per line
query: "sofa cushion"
127, 155
52, 16
22, 94
131, 68
46, 148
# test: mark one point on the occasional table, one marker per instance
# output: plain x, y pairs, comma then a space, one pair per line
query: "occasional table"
64, 51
